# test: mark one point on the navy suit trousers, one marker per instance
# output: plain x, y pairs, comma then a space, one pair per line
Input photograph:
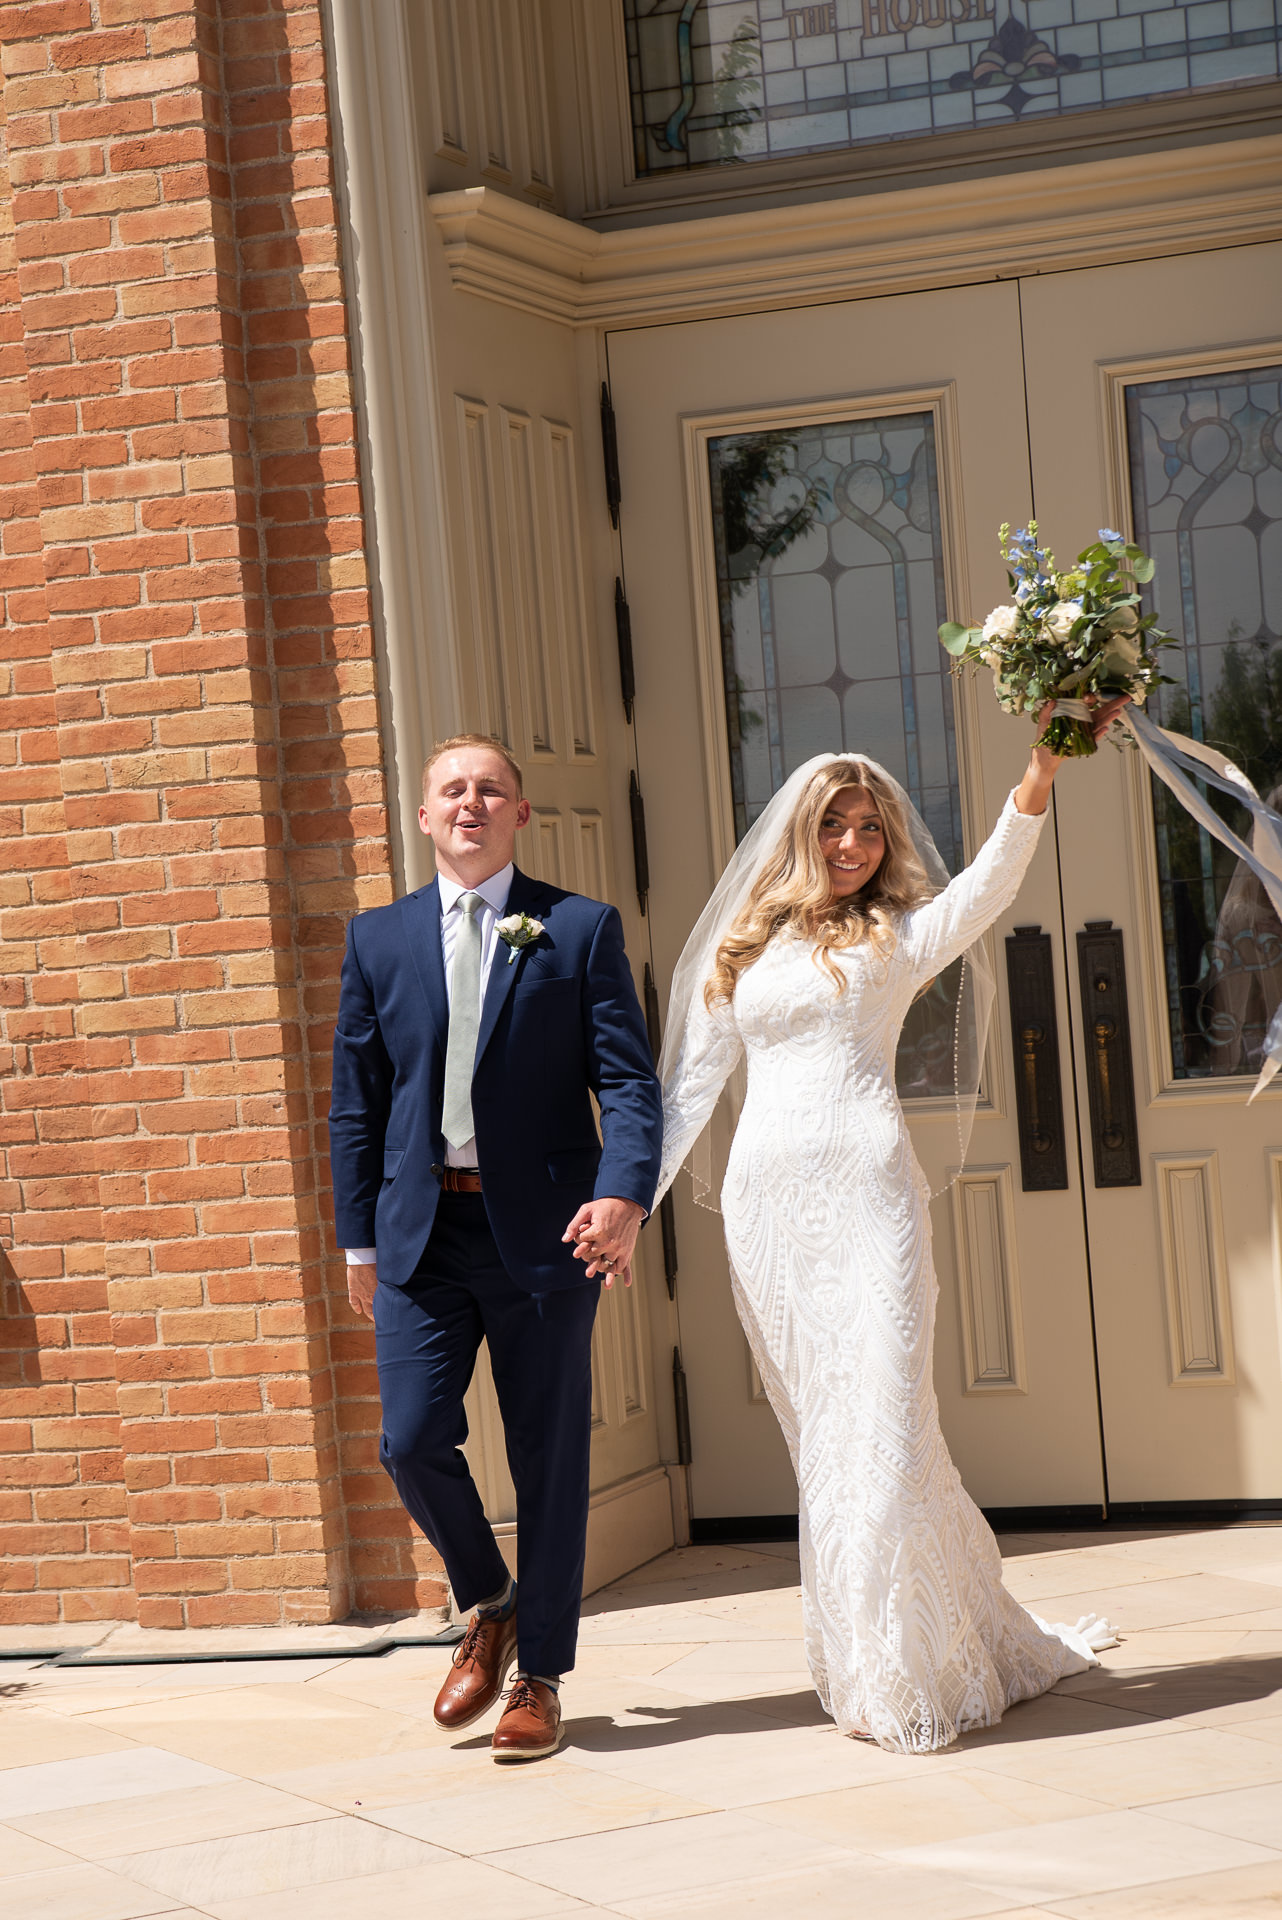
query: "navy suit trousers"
428, 1334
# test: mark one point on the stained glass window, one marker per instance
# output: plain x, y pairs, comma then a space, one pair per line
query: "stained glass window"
830, 583
717, 81
1206, 489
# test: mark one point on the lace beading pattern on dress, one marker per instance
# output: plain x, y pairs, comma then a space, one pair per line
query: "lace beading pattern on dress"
910, 1634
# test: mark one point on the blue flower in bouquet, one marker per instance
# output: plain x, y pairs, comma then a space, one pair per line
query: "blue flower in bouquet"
1110, 538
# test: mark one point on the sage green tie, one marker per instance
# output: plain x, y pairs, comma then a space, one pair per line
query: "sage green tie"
465, 1023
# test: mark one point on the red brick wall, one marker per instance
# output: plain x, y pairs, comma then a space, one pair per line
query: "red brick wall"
194, 801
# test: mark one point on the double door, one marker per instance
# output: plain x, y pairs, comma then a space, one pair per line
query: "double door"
806, 495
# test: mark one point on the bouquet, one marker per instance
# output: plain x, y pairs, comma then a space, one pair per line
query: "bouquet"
1077, 638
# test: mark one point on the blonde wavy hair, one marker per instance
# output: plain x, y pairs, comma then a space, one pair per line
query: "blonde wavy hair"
794, 889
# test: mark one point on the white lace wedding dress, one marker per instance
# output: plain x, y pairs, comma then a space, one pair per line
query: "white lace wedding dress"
910, 1634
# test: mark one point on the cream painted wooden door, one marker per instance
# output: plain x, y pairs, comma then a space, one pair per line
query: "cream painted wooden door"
532, 678
925, 391
1147, 1311
1177, 362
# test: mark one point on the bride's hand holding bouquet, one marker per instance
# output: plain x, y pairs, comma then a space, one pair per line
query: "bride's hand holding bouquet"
1073, 646
1045, 762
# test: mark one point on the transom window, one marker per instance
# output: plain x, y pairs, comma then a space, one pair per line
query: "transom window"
716, 82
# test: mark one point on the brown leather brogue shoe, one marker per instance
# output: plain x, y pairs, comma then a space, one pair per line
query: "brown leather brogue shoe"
531, 1724
482, 1661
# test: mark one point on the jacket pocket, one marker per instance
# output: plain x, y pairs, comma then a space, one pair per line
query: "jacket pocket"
392, 1157
576, 1167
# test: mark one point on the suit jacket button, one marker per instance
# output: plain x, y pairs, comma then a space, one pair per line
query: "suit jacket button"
437, 1172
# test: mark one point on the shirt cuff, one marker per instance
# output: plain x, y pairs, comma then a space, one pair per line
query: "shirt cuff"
361, 1256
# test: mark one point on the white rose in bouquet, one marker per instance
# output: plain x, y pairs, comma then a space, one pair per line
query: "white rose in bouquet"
1062, 618
1001, 623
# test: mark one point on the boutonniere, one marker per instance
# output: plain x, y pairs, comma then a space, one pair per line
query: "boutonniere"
518, 930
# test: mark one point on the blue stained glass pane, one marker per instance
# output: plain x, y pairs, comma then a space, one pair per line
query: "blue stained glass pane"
830, 583
1206, 491
729, 82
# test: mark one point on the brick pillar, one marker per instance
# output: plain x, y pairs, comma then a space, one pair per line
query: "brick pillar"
62, 1500
214, 769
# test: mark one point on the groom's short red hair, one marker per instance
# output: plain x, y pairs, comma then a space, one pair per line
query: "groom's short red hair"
457, 740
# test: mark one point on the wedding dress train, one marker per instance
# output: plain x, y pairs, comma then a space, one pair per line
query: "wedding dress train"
910, 1634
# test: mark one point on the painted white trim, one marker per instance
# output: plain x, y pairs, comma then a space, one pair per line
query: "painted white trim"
1195, 1270
989, 1298
949, 234
384, 246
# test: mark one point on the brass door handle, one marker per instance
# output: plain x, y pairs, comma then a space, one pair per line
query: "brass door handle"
1034, 1037
1105, 1032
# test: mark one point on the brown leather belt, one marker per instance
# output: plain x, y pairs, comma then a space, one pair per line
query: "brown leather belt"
459, 1180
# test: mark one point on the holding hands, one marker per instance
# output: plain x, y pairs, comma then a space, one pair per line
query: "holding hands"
604, 1234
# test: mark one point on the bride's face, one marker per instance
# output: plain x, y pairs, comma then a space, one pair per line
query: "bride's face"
852, 841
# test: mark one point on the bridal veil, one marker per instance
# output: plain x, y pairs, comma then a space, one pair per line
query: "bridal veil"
969, 987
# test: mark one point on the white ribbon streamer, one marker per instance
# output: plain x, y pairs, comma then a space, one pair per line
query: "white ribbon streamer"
1173, 756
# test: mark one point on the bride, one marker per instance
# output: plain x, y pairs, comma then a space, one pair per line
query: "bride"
824, 929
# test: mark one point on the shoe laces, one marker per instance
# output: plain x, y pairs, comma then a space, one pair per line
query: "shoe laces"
521, 1695
467, 1646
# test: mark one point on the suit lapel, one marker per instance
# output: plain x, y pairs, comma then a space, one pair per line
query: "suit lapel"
523, 898
424, 908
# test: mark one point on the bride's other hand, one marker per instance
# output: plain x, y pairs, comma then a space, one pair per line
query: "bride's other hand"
1034, 789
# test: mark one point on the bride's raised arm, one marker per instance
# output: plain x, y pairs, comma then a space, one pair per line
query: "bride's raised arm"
932, 936
710, 1050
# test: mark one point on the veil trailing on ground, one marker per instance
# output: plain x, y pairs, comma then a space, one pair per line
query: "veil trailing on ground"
971, 988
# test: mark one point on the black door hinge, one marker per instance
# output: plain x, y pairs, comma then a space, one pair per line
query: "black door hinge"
623, 630
668, 1230
640, 853
652, 1026
681, 1406
610, 453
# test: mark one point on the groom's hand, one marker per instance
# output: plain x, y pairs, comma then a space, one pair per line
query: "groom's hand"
361, 1282
603, 1234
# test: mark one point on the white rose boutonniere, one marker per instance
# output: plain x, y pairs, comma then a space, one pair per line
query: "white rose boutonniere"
517, 931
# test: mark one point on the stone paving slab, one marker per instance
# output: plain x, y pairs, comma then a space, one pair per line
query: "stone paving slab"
699, 1776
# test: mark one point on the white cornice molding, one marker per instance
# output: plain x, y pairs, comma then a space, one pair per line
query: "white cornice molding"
1091, 214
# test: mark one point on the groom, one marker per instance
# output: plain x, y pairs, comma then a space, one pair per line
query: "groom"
475, 1201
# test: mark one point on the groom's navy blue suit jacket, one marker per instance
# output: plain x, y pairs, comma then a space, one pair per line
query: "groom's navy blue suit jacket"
560, 1021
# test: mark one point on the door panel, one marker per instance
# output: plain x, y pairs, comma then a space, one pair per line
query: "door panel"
1185, 1276
1014, 1363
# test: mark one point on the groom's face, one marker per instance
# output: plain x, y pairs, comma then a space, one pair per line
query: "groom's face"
471, 811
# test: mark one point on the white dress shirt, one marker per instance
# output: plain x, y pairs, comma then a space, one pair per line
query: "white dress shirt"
494, 893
